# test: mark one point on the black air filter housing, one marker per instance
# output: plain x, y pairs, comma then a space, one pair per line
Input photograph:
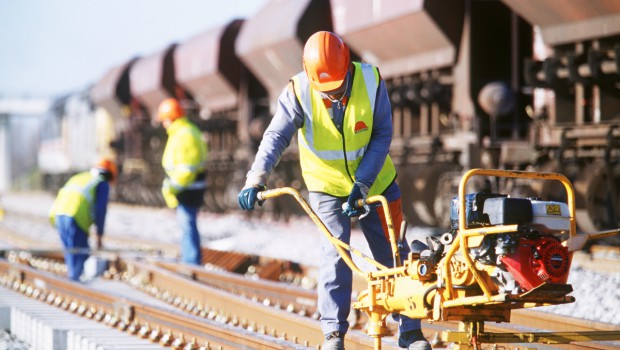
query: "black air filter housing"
508, 211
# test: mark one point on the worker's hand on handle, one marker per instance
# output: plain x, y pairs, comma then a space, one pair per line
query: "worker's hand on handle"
354, 205
248, 197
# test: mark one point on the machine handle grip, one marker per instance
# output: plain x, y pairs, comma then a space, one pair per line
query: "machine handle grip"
266, 194
359, 204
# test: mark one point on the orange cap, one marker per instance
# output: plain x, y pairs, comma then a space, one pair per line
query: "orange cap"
108, 165
326, 61
170, 109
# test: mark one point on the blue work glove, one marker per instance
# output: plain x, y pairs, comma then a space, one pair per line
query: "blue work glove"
358, 192
247, 197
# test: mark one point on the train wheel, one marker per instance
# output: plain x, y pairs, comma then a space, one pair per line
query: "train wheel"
424, 193
602, 184
554, 190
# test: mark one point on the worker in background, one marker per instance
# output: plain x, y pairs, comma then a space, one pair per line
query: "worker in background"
342, 115
184, 162
82, 202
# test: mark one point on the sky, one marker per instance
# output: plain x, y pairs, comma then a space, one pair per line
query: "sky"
49, 48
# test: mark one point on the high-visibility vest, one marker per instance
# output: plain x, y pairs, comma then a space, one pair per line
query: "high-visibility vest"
328, 158
77, 199
185, 156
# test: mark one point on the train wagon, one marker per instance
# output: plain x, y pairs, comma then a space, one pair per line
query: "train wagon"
510, 84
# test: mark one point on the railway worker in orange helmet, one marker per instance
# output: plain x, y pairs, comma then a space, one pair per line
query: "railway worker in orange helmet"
184, 162
80, 203
342, 116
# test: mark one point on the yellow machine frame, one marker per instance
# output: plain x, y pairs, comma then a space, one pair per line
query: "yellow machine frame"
394, 289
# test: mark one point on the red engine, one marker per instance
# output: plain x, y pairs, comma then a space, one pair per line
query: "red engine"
536, 261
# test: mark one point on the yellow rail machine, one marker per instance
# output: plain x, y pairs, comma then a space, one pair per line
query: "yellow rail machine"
501, 253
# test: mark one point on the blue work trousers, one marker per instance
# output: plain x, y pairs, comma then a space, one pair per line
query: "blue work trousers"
73, 239
335, 277
190, 239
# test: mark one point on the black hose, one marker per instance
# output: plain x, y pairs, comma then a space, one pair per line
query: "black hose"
427, 305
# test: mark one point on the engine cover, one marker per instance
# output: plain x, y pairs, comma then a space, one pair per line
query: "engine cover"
536, 261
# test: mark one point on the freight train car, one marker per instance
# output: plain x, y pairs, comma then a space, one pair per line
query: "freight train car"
469, 89
453, 70
513, 84
575, 78
222, 95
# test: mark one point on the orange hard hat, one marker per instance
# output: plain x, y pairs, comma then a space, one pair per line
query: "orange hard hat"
326, 61
107, 165
170, 109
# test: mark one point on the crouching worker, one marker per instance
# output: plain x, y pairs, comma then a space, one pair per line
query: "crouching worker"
80, 203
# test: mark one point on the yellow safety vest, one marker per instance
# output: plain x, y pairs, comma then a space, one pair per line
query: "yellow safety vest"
328, 158
77, 199
185, 155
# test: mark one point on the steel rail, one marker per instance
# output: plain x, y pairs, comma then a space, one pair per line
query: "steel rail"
527, 318
520, 317
124, 313
269, 292
268, 320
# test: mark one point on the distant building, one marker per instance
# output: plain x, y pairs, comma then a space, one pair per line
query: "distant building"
20, 125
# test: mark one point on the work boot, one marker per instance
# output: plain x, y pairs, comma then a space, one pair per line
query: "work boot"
333, 341
413, 340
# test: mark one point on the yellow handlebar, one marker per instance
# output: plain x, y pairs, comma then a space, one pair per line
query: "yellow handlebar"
342, 247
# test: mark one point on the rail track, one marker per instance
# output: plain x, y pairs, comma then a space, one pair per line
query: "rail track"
237, 301
247, 305
208, 307
247, 313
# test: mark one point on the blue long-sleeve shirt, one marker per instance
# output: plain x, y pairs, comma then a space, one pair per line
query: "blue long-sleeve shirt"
289, 118
102, 192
